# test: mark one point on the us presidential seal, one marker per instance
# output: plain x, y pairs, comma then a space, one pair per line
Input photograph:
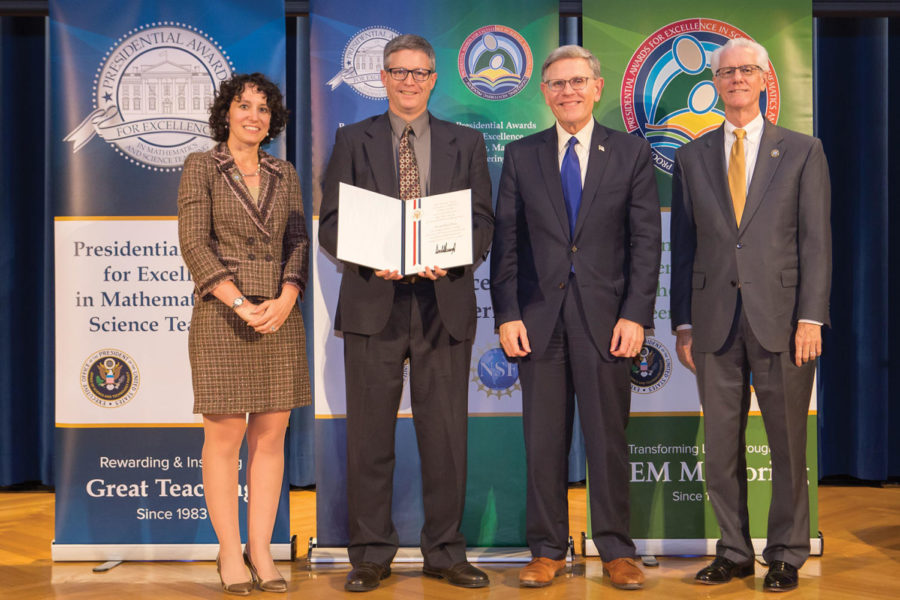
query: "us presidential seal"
362, 62
495, 62
651, 368
667, 94
110, 378
495, 375
152, 92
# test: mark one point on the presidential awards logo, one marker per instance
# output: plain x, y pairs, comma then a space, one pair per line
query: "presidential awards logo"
668, 96
110, 378
495, 62
651, 368
494, 375
362, 62
152, 93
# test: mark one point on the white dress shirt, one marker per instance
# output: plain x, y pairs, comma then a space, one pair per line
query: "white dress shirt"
582, 148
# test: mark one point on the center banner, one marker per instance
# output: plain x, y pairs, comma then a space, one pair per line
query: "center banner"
489, 56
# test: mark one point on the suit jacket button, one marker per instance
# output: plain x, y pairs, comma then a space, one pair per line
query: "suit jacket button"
574, 249
562, 285
269, 258
740, 245
733, 283
251, 241
251, 257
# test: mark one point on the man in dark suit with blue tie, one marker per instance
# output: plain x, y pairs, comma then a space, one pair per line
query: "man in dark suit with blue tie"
574, 270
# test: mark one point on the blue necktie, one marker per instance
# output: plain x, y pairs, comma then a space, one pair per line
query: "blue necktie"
570, 171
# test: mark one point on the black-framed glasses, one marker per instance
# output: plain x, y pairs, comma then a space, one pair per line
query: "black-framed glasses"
399, 73
746, 71
576, 83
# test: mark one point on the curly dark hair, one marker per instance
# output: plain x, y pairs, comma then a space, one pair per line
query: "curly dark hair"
231, 89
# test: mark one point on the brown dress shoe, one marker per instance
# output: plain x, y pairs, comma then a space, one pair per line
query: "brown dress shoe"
624, 573
540, 572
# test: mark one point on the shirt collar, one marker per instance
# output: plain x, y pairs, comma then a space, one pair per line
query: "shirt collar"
419, 124
753, 128
583, 135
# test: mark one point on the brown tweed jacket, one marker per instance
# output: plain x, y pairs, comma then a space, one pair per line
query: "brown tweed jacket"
225, 235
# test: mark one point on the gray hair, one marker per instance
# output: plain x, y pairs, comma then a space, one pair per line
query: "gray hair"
762, 56
409, 41
572, 51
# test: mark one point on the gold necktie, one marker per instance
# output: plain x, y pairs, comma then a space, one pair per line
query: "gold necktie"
409, 170
737, 175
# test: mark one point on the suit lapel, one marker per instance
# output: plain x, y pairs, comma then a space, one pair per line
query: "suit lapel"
444, 153
767, 161
714, 161
269, 176
548, 159
596, 167
380, 154
229, 171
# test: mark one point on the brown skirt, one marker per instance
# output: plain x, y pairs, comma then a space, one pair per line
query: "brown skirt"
236, 370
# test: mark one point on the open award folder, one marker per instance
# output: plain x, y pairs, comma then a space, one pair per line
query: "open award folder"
382, 232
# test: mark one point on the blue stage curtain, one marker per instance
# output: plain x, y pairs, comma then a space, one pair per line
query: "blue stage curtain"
26, 305
301, 470
856, 78
855, 84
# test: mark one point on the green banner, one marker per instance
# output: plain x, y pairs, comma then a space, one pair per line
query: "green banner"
655, 54
658, 85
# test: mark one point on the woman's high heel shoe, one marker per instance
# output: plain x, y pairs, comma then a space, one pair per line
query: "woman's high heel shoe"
242, 588
272, 585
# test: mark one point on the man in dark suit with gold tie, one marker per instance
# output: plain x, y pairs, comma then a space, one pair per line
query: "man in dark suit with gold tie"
428, 319
574, 269
751, 277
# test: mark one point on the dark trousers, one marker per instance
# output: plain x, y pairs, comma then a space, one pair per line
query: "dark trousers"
572, 366
438, 378
782, 392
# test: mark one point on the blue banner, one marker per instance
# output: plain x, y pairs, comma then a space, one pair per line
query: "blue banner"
131, 86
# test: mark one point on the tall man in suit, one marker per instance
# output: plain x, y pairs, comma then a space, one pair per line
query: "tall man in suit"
428, 319
574, 270
751, 276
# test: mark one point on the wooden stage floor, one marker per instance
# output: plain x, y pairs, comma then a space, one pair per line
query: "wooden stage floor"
861, 528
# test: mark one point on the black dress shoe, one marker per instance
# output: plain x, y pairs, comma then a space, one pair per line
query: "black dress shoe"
781, 577
365, 577
462, 574
721, 570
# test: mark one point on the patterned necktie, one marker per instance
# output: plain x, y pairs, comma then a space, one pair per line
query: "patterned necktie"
570, 171
737, 175
409, 170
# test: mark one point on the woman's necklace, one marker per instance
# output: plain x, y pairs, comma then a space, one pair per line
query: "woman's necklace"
252, 174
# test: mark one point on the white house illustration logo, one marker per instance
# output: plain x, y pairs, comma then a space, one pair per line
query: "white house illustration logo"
152, 92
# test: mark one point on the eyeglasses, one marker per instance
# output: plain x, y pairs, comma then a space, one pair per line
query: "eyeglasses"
399, 73
576, 83
746, 71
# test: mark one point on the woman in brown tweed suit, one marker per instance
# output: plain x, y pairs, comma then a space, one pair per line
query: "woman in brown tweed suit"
243, 237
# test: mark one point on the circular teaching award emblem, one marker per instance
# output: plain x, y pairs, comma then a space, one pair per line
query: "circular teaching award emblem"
651, 368
110, 378
362, 62
667, 94
152, 93
495, 375
495, 62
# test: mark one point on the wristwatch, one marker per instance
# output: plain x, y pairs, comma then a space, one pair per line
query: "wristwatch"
237, 302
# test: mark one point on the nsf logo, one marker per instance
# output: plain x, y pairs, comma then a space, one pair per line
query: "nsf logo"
495, 375
667, 94
495, 62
